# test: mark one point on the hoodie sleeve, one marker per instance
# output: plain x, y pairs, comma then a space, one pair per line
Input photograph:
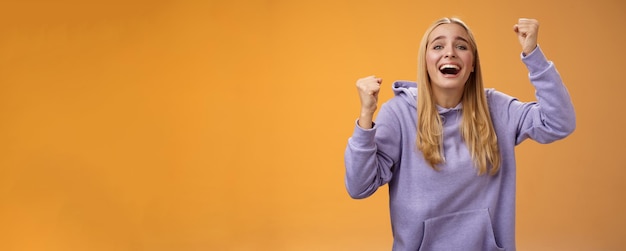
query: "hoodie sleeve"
371, 154
552, 116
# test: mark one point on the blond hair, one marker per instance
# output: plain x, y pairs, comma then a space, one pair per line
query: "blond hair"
476, 127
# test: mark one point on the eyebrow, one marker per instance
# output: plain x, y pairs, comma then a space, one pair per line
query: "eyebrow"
456, 38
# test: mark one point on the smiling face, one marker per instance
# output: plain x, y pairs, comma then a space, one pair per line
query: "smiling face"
449, 59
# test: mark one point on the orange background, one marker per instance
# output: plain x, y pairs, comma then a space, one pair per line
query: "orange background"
221, 125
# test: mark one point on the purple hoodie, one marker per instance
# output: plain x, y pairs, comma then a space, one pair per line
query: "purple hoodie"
454, 208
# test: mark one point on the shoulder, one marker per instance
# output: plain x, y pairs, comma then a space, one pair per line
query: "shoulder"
500, 104
497, 98
399, 103
396, 110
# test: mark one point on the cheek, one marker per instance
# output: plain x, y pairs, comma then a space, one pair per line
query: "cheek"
469, 59
431, 59
431, 62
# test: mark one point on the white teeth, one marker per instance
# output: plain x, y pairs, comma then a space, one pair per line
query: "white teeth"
448, 66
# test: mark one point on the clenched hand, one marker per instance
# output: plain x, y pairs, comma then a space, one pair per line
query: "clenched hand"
368, 88
527, 31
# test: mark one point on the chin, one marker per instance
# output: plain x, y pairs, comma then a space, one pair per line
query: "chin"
448, 84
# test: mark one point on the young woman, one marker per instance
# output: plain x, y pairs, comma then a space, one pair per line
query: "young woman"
446, 145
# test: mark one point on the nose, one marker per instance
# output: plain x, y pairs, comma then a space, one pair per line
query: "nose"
449, 53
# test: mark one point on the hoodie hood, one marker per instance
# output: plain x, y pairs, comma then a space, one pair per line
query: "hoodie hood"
407, 90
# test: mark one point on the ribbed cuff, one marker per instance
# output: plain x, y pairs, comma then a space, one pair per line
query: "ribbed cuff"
363, 138
536, 61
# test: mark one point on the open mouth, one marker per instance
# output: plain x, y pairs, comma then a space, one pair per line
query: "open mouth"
449, 69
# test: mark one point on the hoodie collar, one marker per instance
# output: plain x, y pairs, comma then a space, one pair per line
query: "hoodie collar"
443, 110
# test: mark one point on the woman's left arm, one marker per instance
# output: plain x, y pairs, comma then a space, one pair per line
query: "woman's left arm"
552, 117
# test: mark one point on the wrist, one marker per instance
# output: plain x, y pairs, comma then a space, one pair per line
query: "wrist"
528, 51
366, 121
367, 112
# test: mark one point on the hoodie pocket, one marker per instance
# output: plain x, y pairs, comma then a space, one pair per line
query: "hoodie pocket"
466, 230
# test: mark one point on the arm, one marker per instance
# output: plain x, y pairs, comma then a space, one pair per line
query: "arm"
371, 154
552, 117
367, 165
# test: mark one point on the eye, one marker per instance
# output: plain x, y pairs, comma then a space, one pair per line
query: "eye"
461, 47
437, 47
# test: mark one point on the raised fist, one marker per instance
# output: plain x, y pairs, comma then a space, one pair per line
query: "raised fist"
527, 30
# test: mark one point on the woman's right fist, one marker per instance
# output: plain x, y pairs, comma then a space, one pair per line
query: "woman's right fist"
368, 88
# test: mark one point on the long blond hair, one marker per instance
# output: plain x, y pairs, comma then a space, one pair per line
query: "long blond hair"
476, 127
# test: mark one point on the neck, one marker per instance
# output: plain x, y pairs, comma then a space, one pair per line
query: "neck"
447, 98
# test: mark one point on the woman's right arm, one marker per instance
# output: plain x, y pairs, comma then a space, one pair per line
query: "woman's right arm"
368, 166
